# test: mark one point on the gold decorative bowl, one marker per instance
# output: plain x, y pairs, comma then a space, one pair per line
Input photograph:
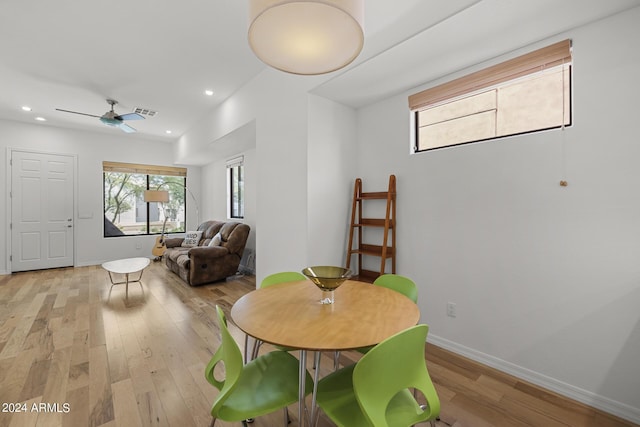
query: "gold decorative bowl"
327, 278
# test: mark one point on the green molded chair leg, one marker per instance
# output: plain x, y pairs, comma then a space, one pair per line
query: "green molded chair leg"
266, 384
375, 391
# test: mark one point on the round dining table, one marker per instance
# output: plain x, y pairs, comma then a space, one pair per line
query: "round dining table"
291, 315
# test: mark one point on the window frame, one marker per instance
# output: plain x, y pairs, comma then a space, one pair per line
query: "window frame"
235, 164
147, 171
495, 77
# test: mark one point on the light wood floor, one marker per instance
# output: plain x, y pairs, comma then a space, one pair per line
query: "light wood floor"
84, 357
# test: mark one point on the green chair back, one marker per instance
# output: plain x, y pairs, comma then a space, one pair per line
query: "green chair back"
229, 353
383, 377
282, 277
398, 283
375, 392
274, 279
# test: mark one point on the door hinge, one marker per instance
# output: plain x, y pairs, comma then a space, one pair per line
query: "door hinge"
10, 257
10, 226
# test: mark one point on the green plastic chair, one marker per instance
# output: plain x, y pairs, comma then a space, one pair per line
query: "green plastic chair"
274, 279
375, 391
266, 384
398, 283
395, 282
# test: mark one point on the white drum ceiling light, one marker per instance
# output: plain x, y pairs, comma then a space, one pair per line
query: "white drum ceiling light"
306, 37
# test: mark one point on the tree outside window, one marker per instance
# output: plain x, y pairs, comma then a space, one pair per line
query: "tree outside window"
125, 211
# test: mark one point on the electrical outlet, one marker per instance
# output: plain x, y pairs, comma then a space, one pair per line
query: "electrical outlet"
451, 309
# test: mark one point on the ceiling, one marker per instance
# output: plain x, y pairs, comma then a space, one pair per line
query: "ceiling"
162, 55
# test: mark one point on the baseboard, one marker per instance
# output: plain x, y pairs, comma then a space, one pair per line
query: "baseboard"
89, 263
245, 270
588, 398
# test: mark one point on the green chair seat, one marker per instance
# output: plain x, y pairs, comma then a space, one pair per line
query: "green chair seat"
266, 384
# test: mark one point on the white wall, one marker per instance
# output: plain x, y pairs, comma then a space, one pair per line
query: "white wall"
91, 148
330, 178
546, 278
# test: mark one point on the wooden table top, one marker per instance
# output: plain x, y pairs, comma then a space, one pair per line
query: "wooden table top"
290, 314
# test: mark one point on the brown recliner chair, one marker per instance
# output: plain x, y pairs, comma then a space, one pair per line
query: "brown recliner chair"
207, 263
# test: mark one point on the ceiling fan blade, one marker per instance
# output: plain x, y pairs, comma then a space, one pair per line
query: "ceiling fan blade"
130, 116
76, 112
125, 127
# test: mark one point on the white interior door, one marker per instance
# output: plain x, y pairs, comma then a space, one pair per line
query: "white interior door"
41, 211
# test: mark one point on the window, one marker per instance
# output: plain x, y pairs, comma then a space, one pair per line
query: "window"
526, 94
235, 185
125, 211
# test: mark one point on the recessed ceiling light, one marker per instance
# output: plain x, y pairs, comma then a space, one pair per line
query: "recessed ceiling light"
26, 108
41, 119
208, 92
168, 132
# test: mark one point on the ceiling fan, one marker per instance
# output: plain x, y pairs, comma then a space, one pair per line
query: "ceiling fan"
110, 118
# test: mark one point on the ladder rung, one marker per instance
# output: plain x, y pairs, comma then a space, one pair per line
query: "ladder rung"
368, 275
374, 195
372, 222
373, 250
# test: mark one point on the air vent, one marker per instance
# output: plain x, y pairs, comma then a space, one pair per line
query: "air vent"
145, 111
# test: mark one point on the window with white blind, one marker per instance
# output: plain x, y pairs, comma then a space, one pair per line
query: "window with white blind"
529, 93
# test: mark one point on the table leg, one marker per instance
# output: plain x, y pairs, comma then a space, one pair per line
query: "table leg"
302, 377
314, 410
126, 278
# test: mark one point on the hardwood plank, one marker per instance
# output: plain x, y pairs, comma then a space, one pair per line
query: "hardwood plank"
55, 388
177, 412
125, 405
18, 336
96, 325
28, 418
100, 397
36, 379
16, 376
150, 409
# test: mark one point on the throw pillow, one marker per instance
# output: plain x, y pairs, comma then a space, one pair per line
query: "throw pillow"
191, 239
216, 240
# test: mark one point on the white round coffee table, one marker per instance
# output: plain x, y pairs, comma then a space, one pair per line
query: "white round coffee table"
126, 266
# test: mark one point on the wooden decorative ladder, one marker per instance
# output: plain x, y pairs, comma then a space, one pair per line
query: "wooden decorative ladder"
388, 224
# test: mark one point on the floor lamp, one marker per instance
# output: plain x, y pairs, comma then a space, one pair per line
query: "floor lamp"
162, 196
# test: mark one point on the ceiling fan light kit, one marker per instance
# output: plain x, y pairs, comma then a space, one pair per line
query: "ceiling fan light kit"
307, 37
110, 118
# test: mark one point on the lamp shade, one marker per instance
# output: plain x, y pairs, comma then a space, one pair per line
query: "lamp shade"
306, 37
161, 196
